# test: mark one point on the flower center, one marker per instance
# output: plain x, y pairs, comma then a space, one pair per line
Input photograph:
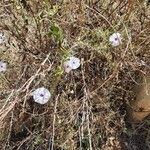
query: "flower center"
42, 95
67, 66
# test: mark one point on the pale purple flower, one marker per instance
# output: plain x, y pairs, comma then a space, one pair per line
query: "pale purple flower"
41, 95
3, 66
71, 64
115, 39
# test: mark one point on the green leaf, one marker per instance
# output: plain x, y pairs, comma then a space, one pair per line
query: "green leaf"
56, 33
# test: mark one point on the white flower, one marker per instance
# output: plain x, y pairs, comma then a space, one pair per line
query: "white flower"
71, 63
2, 38
3, 66
115, 39
74, 62
41, 95
67, 67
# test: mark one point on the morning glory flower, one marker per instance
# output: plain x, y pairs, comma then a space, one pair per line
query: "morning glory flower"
3, 66
115, 39
41, 95
2, 38
72, 63
67, 68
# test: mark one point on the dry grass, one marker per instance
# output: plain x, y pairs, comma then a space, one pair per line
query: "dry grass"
89, 106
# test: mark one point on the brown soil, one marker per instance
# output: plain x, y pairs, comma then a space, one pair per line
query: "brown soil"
141, 106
